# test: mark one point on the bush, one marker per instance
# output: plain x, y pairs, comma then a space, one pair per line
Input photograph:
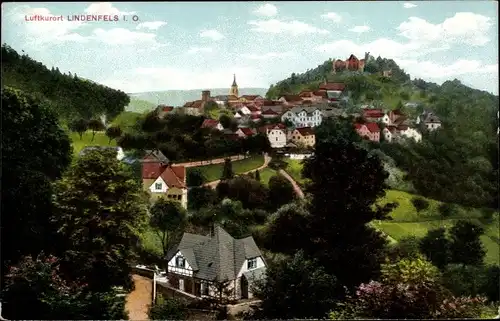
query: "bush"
488, 213
446, 210
168, 309
420, 203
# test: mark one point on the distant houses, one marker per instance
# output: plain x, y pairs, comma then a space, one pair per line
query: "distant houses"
303, 117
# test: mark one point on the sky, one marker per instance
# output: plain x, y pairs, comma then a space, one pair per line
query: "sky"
196, 45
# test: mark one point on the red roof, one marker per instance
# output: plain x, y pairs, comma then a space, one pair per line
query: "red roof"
250, 97
194, 104
305, 131
254, 116
174, 176
373, 113
292, 98
247, 131
152, 170
209, 123
269, 103
372, 127
332, 86
307, 93
253, 108
269, 112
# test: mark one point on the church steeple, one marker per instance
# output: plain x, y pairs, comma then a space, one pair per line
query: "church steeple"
234, 87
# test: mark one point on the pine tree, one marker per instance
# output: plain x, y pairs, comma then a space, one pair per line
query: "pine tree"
227, 171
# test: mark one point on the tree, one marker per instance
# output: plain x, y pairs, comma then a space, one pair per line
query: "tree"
202, 196
195, 177
295, 290
345, 183
98, 209
436, 247
168, 219
466, 246
251, 193
281, 191
257, 175
420, 203
95, 125
472, 280
225, 121
79, 126
35, 150
168, 309
113, 132
406, 248
227, 171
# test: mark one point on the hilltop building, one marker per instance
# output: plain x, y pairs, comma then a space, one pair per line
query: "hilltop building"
352, 63
234, 88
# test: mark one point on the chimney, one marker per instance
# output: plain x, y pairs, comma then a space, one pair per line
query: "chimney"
205, 95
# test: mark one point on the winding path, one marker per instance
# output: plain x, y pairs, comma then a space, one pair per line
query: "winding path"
210, 161
296, 186
267, 159
139, 300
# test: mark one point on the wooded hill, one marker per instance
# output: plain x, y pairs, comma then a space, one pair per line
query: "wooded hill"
458, 163
69, 96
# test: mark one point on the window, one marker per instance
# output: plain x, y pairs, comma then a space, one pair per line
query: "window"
158, 186
252, 263
204, 288
276, 138
180, 262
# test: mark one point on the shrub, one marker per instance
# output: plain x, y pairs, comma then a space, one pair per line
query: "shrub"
446, 209
420, 203
168, 309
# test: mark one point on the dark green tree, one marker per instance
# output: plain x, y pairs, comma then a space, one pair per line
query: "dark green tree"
79, 126
168, 309
281, 191
466, 246
345, 183
227, 171
225, 121
35, 150
295, 289
257, 175
95, 125
202, 196
113, 132
436, 247
168, 219
99, 208
195, 177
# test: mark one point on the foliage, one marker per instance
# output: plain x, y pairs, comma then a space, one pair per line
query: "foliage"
472, 280
168, 219
410, 271
98, 205
295, 289
35, 150
68, 96
113, 132
346, 182
79, 126
446, 209
227, 171
406, 248
195, 177
251, 193
225, 121
436, 247
466, 247
420, 203
199, 197
168, 309
281, 191
95, 125
257, 175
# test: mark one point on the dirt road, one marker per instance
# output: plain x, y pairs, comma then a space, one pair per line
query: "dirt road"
296, 186
210, 161
139, 300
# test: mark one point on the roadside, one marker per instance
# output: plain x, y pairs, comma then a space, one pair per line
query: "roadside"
139, 300
210, 161
296, 186
267, 159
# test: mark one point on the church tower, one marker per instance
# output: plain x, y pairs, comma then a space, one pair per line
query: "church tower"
234, 88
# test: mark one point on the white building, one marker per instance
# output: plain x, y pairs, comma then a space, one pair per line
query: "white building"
303, 116
277, 136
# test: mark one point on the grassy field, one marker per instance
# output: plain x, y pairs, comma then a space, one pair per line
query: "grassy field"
126, 120
266, 174
100, 139
214, 172
294, 169
407, 221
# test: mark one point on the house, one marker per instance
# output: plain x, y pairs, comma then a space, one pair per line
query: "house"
164, 180
369, 131
163, 110
303, 117
303, 137
212, 123
396, 133
291, 100
390, 133
244, 110
255, 118
352, 63
154, 156
410, 133
244, 132
335, 86
248, 98
269, 113
429, 121
276, 135
313, 96
253, 110
373, 115
200, 262
334, 97
120, 155
196, 108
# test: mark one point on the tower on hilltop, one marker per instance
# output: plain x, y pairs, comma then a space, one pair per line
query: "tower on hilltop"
234, 87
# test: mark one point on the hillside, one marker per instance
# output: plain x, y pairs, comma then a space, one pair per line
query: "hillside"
179, 97
458, 163
139, 106
69, 96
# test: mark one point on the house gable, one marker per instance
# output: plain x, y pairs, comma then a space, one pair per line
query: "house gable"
158, 186
180, 263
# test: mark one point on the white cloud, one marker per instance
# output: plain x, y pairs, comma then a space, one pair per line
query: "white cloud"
173, 78
151, 25
200, 49
266, 10
269, 55
464, 27
430, 69
360, 29
409, 5
211, 34
277, 26
335, 17
105, 8
121, 36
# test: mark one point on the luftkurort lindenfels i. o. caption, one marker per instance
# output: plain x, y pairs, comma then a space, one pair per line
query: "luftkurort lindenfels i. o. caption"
81, 18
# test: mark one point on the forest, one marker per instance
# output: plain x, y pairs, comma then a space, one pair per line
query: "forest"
68, 95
